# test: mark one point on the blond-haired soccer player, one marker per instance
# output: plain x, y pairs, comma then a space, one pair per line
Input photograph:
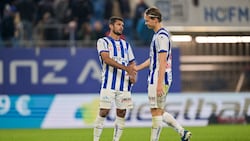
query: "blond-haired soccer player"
118, 75
160, 75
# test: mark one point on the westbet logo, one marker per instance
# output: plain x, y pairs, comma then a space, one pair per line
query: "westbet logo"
189, 109
88, 111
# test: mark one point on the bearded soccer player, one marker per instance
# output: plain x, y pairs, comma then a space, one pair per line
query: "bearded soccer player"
118, 75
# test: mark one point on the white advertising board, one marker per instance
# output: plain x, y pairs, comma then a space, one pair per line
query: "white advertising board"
80, 110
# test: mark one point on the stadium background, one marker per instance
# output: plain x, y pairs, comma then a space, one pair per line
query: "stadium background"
52, 81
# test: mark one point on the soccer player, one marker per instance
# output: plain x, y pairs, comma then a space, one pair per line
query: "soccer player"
118, 75
160, 75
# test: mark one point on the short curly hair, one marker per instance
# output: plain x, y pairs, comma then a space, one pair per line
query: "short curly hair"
113, 19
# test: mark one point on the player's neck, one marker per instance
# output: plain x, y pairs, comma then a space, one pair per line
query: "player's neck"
158, 26
114, 36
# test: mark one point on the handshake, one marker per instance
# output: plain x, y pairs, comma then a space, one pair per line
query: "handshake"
132, 70
132, 73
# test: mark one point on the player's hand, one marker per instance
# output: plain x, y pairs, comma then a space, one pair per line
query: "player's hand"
160, 90
131, 71
133, 79
136, 68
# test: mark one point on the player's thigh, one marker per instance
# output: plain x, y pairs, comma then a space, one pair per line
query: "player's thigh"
106, 98
154, 100
123, 100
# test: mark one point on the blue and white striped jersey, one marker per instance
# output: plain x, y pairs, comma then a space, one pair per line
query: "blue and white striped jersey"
160, 43
121, 52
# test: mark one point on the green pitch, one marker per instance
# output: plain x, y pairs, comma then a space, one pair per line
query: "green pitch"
208, 133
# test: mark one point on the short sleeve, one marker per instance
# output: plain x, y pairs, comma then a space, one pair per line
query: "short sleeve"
102, 46
163, 42
131, 56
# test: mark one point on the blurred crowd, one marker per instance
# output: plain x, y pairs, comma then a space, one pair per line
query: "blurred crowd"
53, 20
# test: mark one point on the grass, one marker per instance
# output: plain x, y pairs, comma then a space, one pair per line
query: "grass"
208, 133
